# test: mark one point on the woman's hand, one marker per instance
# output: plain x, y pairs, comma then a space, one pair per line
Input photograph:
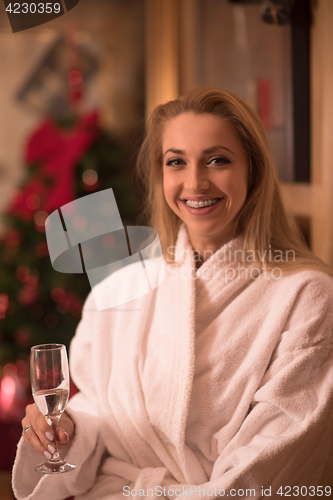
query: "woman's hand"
41, 436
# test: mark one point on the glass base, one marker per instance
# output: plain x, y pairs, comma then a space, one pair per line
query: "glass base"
58, 467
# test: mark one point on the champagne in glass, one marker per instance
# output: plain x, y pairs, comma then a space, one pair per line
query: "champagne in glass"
50, 389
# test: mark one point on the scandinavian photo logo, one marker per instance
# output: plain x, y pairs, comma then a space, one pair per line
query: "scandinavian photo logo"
87, 235
24, 15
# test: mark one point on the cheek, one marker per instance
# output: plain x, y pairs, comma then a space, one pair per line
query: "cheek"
166, 186
168, 195
170, 187
235, 186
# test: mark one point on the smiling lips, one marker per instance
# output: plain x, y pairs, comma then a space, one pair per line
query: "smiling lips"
200, 205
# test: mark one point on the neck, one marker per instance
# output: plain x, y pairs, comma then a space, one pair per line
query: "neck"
203, 250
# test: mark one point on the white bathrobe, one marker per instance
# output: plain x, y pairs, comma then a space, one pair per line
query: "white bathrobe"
216, 383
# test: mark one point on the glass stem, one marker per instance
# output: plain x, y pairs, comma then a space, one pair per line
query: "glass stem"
54, 424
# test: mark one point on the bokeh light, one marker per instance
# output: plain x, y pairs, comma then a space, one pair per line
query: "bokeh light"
63, 307
76, 310
80, 223
3, 305
33, 201
58, 294
40, 218
90, 177
21, 272
41, 250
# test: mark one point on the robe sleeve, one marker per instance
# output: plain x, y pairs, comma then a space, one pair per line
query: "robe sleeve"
286, 440
87, 447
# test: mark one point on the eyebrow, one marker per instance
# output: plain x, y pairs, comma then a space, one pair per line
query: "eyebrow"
209, 150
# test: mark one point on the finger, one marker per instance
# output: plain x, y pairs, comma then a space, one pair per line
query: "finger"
42, 434
62, 436
66, 425
33, 440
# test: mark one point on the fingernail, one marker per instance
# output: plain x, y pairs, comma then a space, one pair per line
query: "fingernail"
49, 436
67, 436
51, 448
47, 455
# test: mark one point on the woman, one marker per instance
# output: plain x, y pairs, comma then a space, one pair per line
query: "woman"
220, 381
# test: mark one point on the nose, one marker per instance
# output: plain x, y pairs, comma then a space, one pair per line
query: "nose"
196, 179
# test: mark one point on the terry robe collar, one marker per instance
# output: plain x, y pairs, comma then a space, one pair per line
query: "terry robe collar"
172, 341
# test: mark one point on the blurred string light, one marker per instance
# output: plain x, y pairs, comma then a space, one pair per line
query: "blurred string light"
90, 179
40, 218
4, 302
21, 272
14, 386
58, 294
7, 389
75, 75
41, 249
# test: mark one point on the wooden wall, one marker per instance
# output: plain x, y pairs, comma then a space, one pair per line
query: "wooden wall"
314, 202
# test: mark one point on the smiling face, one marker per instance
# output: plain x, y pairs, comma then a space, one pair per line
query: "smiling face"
204, 163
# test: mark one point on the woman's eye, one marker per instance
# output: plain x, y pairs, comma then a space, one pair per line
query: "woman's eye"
175, 162
219, 160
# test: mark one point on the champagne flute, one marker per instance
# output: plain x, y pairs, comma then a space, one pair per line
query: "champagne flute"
50, 389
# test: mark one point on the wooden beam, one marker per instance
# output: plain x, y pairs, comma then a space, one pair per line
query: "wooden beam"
322, 126
297, 198
162, 79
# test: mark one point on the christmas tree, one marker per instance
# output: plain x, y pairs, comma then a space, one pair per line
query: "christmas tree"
65, 161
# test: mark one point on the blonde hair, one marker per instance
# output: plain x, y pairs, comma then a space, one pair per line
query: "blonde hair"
262, 219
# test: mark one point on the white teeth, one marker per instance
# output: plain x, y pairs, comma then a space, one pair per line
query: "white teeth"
200, 204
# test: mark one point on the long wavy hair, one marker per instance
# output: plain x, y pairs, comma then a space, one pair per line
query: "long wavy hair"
262, 219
